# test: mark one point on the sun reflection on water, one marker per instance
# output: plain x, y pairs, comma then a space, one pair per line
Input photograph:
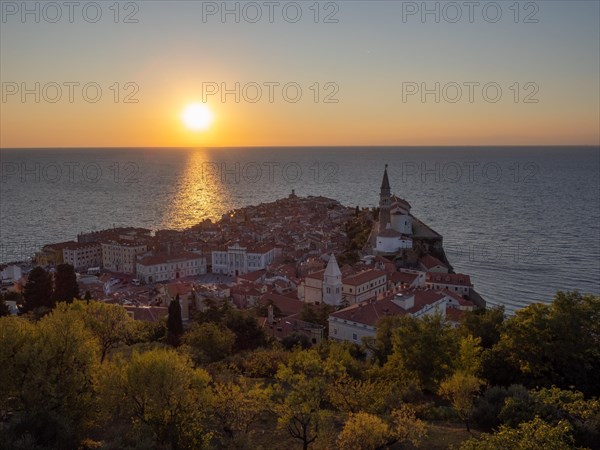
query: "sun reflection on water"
200, 194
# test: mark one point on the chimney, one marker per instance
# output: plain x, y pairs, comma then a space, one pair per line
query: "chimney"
404, 301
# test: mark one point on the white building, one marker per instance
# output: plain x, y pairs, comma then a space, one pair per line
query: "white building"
364, 285
401, 222
10, 273
83, 255
323, 286
360, 321
454, 282
238, 260
407, 278
170, 266
392, 241
332, 283
121, 255
395, 222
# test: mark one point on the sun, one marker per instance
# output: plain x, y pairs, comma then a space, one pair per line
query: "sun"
197, 117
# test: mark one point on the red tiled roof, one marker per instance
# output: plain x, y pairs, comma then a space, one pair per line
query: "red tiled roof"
126, 242
260, 248
400, 201
59, 245
286, 305
363, 277
148, 313
317, 275
430, 262
76, 245
163, 258
370, 311
403, 277
454, 315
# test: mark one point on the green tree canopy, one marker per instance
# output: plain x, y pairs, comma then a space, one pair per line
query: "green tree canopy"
209, 342
65, 284
161, 391
38, 291
534, 435
110, 324
49, 368
174, 322
556, 344
424, 349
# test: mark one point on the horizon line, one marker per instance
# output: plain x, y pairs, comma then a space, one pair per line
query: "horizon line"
304, 146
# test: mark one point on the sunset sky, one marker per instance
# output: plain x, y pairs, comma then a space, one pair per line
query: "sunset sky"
368, 55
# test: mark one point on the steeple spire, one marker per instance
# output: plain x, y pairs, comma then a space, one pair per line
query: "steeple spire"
385, 183
385, 196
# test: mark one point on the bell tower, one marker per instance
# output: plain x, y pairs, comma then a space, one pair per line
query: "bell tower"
385, 201
332, 283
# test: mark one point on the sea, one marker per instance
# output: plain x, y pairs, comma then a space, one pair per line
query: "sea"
523, 222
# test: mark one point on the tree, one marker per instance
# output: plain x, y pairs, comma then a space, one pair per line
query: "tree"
490, 404
236, 407
424, 349
555, 404
533, 435
351, 395
51, 366
485, 324
556, 344
174, 322
110, 324
299, 396
38, 291
248, 335
316, 314
209, 342
364, 431
461, 389
296, 340
382, 345
65, 284
160, 390
469, 355
15, 341
4, 311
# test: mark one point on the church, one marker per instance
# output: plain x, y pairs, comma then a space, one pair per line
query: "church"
323, 286
394, 232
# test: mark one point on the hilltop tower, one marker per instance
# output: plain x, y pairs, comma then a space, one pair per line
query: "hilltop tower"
385, 201
332, 283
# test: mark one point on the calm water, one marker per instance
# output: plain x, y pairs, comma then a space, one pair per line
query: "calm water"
523, 222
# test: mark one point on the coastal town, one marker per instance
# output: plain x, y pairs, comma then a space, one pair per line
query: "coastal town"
279, 260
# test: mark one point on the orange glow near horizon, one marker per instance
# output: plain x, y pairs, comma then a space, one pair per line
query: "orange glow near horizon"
156, 121
242, 125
